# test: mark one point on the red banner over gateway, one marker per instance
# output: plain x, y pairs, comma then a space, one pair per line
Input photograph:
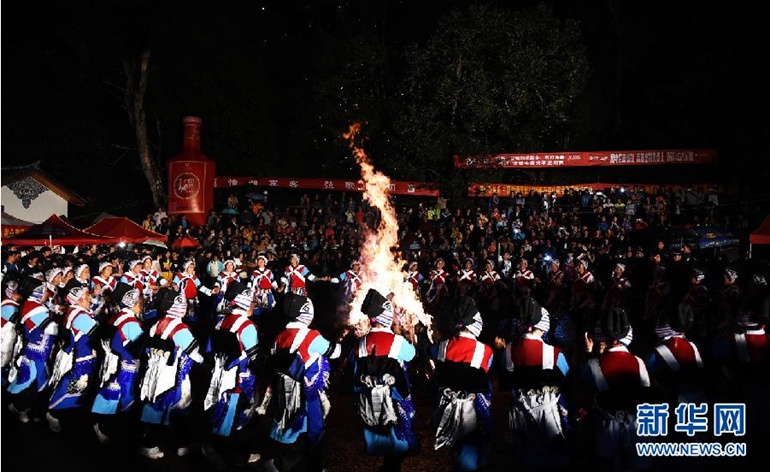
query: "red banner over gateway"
396, 188
589, 158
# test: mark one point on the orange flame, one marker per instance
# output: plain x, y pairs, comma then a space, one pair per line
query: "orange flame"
381, 268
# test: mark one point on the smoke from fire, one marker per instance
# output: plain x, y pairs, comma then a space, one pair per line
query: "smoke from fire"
381, 267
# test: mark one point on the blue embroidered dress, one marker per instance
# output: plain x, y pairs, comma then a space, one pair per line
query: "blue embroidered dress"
70, 391
117, 391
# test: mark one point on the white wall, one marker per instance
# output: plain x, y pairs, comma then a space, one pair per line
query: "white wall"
40, 209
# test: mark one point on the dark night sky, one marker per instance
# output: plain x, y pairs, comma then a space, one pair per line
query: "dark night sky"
693, 76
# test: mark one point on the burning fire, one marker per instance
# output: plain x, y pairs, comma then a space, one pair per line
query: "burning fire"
381, 268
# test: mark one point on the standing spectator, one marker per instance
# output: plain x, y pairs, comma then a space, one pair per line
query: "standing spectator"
148, 222
232, 201
30, 264
10, 267
158, 216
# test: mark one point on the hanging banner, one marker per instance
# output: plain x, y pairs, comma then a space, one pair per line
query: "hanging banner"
506, 190
588, 159
396, 188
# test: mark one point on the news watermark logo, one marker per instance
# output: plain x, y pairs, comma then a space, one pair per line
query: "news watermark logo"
652, 420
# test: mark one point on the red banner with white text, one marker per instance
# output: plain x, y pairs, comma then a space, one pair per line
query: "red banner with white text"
506, 190
396, 188
588, 159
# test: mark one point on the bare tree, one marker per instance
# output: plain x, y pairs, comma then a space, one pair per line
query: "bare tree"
136, 71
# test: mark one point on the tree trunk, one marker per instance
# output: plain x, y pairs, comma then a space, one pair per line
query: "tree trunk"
136, 86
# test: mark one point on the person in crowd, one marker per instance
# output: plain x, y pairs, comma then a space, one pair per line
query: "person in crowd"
76, 362
727, 299
505, 264
296, 276
619, 291
187, 283
122, 341
82, 278
698, 298
676, 363
536, 373
351, 280
382, 385
300, 358
11, 265
490, 275
230, 400
226, 276
620, 382
742, 352
30, 264
167, 266
524, 278
467, 279
150, 277
415, 278
133, 274
265, 286
105, 280
12, 341
56, 300
29, 374
465, 389
165, 387
437, 283
584, 295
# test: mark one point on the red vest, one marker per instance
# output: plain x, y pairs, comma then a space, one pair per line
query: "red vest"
286, 338
466, 350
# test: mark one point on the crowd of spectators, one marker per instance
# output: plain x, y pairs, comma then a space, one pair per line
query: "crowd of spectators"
325, 230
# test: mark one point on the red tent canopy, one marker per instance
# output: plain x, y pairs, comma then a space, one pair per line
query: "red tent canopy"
124, 230
762, 234
57, 232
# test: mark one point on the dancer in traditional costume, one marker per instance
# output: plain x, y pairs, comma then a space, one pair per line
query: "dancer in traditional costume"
382, 385
463, 418
264, 284
122, 342
76, 362
535, 373
28, 375
165, 387
296, 276
300, 357
231, 397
